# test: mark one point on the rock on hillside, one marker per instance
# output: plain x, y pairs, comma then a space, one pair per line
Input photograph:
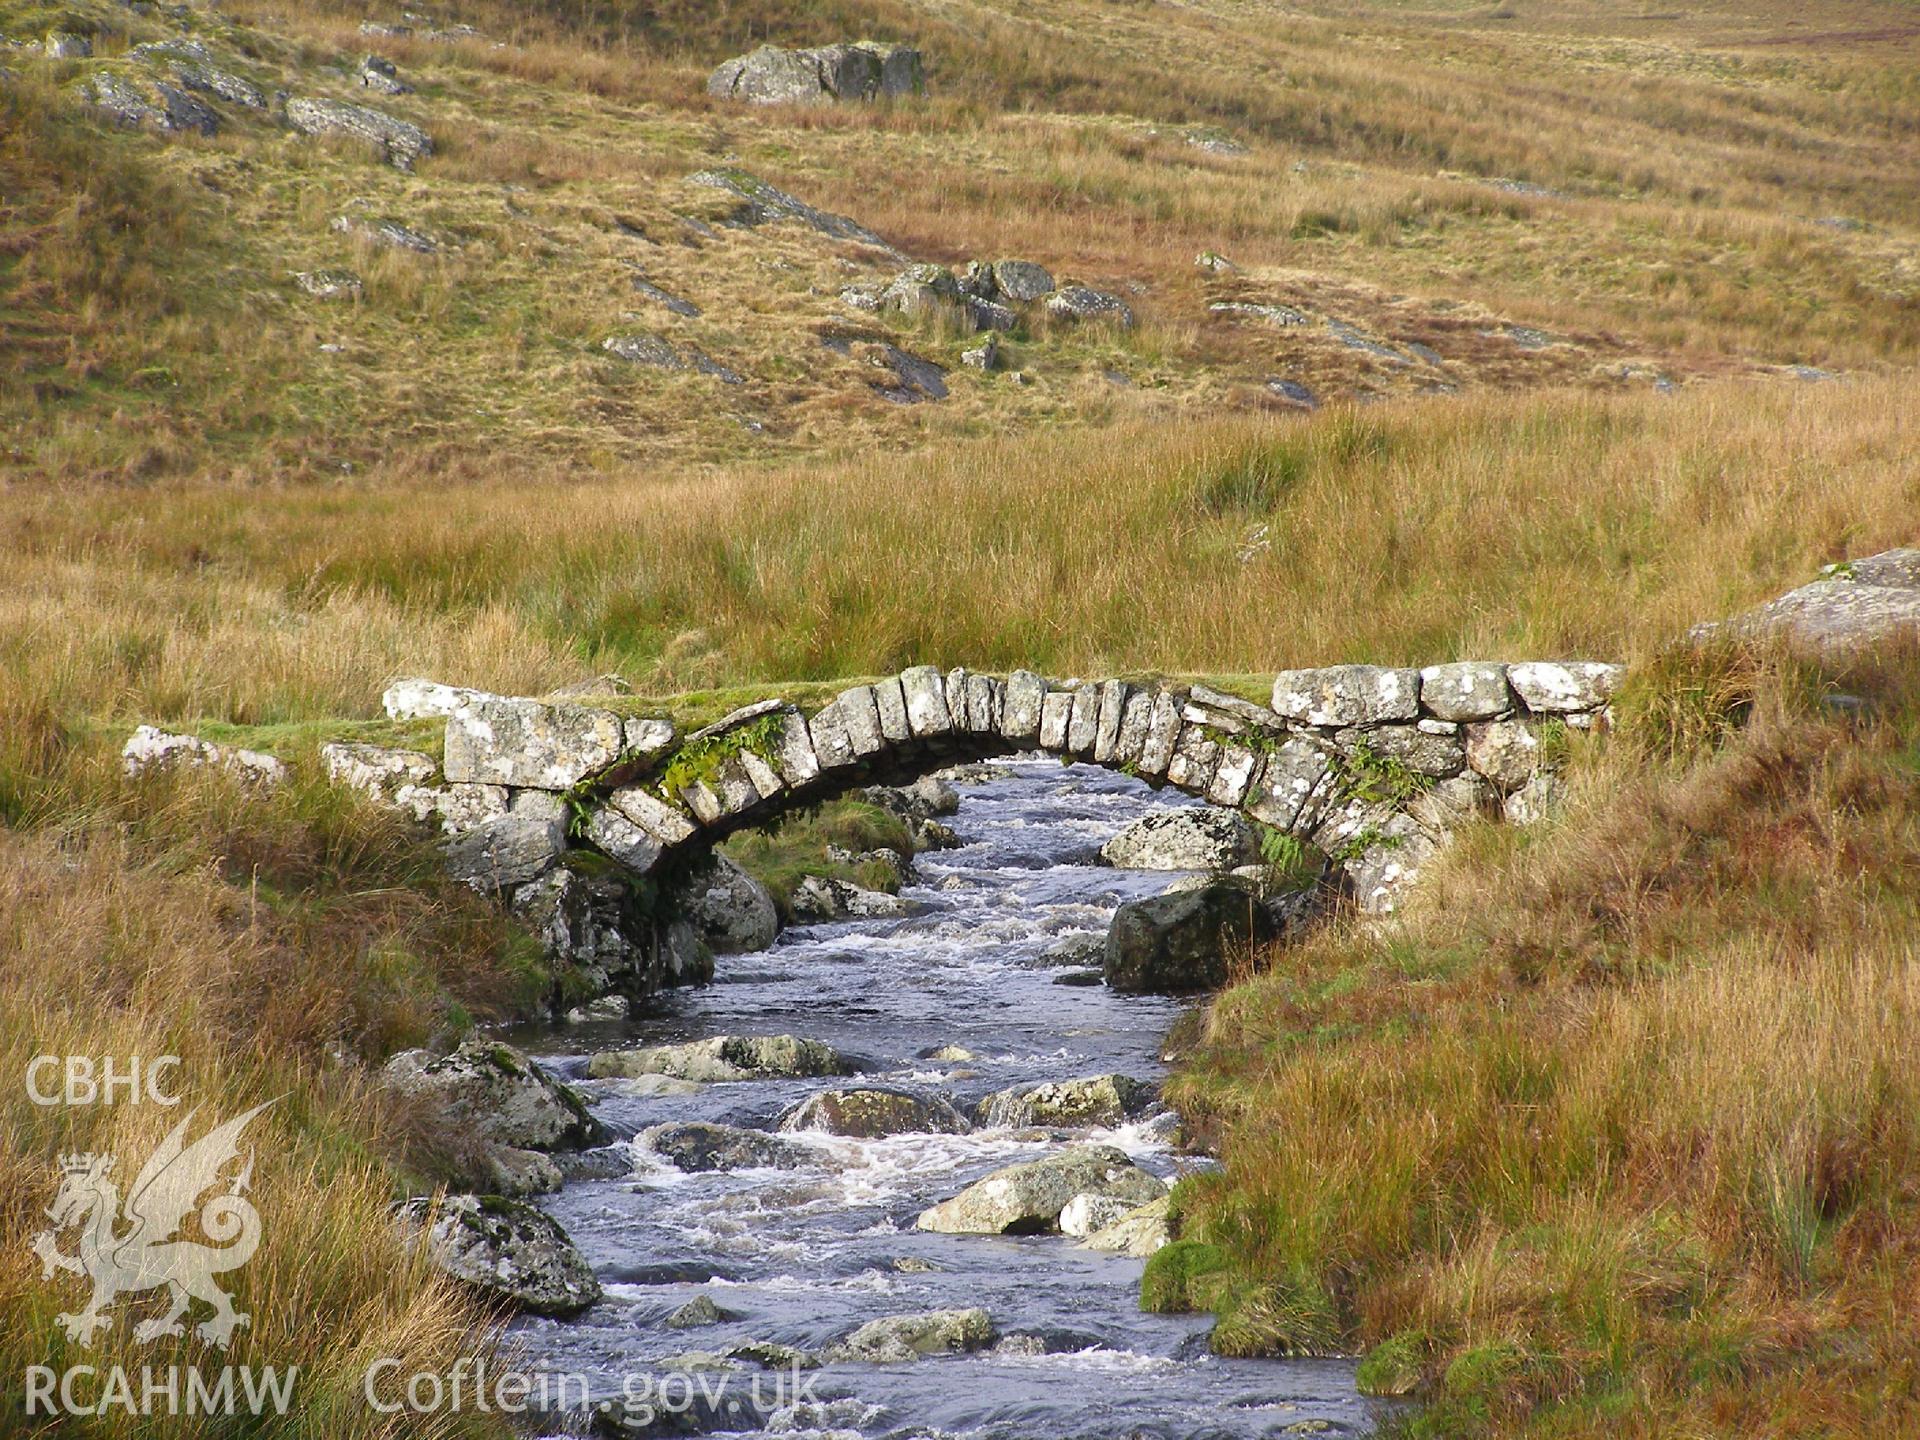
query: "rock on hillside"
864, 70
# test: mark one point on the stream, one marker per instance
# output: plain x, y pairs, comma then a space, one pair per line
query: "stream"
804, 1256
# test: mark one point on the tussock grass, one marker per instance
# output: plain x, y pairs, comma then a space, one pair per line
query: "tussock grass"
243, 936
1613, 1132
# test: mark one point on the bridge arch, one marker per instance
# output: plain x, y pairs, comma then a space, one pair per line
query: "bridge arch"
1373, 765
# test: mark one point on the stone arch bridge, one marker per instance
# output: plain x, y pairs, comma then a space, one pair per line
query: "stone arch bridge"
1373, 765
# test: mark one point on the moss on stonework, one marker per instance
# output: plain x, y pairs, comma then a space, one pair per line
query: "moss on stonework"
699, 762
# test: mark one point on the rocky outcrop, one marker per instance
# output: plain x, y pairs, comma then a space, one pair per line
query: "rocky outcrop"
871, 1113
330, 284
1027, 1199
1853, 606
896, 1339
1185, 839
400, 143
761, 204
388, 233
1179, 943
1081, 303
1091, 1100
724, 1058
505, 1249
647, 349
863, 70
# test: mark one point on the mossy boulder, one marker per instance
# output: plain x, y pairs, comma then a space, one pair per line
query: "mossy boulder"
869, 1113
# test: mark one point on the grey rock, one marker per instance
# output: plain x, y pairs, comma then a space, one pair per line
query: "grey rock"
697, 1146
504, 852
1073, 950
896, 1339
1341, 695
418, 699
724, 1058
762, 203
1086, 1214
1138, 1233
401, 143
389, 233
506, 1249
817, 898
374, 769
150, 748
330, 284
1291, 785
521, 1174
631, 846
122, 101
65, 45
1540, 798
492, 1090
1281, 315
1436, 756
1559, 686
1179, 943
1835, 617
1507, 752
495, 740
1027, 1199
1078, 302
1021, 281
698, 1312
378, 73
1392, 849
863, 70
458, 808
646, 349
926, 696
1466, 690
915, 378
869, 1113
982, 357
684, 308
733, 912
1107, 1100
1184, 839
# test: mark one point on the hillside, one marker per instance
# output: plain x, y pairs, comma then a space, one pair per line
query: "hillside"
1402, 202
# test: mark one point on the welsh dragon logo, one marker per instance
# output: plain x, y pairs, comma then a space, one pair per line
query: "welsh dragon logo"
140, 1251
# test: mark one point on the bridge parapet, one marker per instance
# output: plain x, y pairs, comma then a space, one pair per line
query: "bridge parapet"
1373, 765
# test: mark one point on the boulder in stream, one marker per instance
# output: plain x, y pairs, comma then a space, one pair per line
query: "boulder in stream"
496, 1092
1174, 944
894, 1339
698, 1145
1189, 838
724, 1058
505, 1249
869, 1113
1027, 1199
1089, 1100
